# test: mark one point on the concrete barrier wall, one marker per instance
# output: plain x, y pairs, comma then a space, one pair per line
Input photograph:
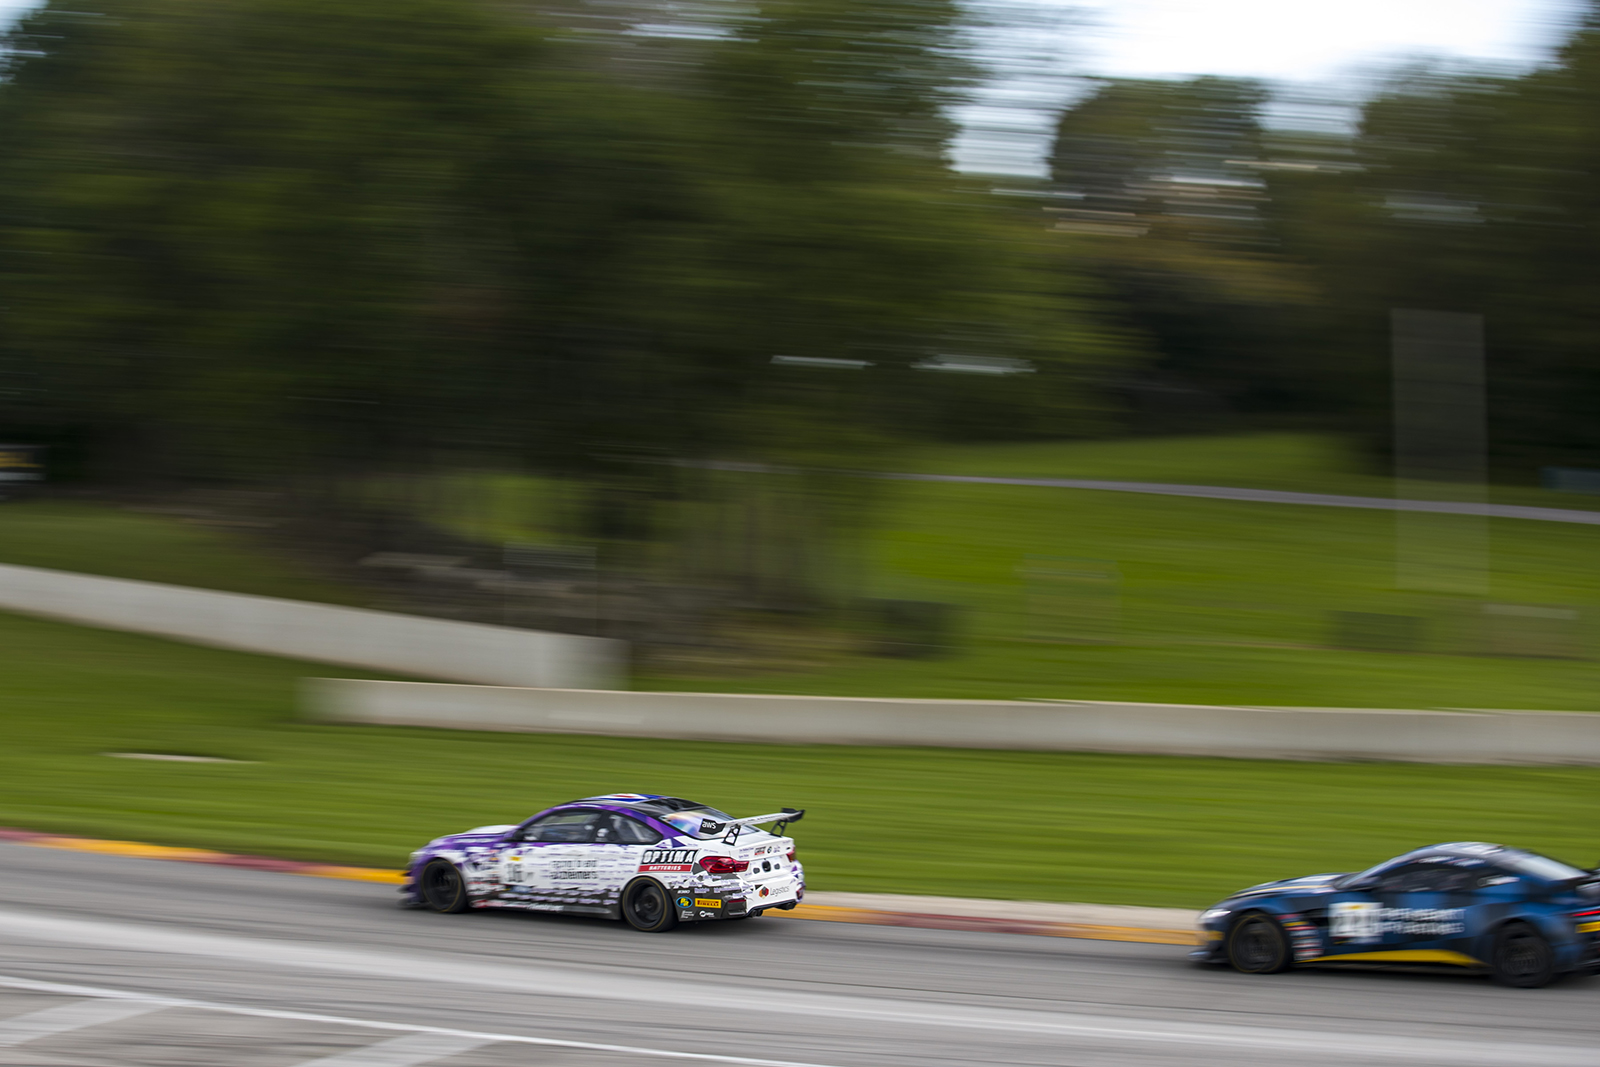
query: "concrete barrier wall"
378, 640
1525, 737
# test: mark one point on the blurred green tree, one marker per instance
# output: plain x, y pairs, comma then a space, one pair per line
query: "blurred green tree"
272, 238
1161, 185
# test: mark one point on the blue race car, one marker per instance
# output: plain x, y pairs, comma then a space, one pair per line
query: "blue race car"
1523, 917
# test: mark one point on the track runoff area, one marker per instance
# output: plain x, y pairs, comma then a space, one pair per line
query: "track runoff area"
114, 959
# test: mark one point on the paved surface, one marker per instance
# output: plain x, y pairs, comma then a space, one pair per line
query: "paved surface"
113, 960
1167, 926
1276, 496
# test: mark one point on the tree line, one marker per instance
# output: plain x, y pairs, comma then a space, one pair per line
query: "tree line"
1259, 266
264, 240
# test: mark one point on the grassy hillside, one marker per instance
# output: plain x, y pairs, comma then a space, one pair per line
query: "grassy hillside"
1119, 829
122, 543
1214, 601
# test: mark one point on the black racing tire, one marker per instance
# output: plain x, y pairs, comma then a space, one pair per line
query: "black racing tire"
1522, 957
1257, 944
647, 906
442, 887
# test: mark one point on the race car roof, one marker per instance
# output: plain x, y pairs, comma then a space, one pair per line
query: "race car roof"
651, 802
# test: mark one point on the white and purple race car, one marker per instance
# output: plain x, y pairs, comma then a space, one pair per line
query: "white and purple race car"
652, 861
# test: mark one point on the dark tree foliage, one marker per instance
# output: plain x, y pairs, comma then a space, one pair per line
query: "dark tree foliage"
1262, 266
1162, 181
267, 238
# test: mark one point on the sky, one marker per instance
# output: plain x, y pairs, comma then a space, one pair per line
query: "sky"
1319, 46
1312, 50
1311, 39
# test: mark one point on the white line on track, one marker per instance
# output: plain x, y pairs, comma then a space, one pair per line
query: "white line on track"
407, 1050
65, 1018
628, 986
468, 1038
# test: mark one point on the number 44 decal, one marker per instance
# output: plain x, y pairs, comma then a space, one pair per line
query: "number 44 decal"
1355, 920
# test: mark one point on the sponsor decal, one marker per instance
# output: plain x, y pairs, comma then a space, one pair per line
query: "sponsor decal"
765, 891
574, 868
667, 860
685, 902
1360, 921
1588, 928
707, 902
708, 915
1303, 935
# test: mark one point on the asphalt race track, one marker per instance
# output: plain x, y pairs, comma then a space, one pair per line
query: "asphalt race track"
107, 961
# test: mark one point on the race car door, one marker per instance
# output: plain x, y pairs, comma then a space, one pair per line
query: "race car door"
1424, 907
588, 873
538, 860
621, 843
1357, 917
1400, 909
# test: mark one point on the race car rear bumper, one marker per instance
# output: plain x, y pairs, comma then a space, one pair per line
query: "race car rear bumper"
704, 904
707, 904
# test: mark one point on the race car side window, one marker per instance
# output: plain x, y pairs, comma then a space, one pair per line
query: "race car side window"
1406, 878
1431, 878
626, 830
562, 827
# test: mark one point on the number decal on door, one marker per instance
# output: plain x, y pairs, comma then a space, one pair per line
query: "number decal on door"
1355, 920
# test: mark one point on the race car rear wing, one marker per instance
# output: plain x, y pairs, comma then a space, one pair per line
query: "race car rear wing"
781, 818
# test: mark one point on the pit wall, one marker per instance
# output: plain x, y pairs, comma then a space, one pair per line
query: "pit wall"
352, 637
1510, 737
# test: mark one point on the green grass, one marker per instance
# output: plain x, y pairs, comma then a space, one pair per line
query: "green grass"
1116, 829
120, 543
1219, 602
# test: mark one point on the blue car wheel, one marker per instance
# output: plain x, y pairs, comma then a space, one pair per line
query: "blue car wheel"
1522, 957
1257, 945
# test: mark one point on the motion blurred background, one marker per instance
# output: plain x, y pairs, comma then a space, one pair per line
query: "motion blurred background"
624, 317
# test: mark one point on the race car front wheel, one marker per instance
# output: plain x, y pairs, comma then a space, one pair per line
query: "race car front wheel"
1257, 945
1522, 957
646, 906
442, 886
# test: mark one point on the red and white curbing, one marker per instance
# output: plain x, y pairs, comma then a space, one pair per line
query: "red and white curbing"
1098, 922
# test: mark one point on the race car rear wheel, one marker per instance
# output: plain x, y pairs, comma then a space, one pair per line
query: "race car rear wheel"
442, 887
1257, 945
646, 906
1522, 957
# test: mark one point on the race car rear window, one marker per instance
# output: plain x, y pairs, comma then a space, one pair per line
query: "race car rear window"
1538, 866
703, 823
